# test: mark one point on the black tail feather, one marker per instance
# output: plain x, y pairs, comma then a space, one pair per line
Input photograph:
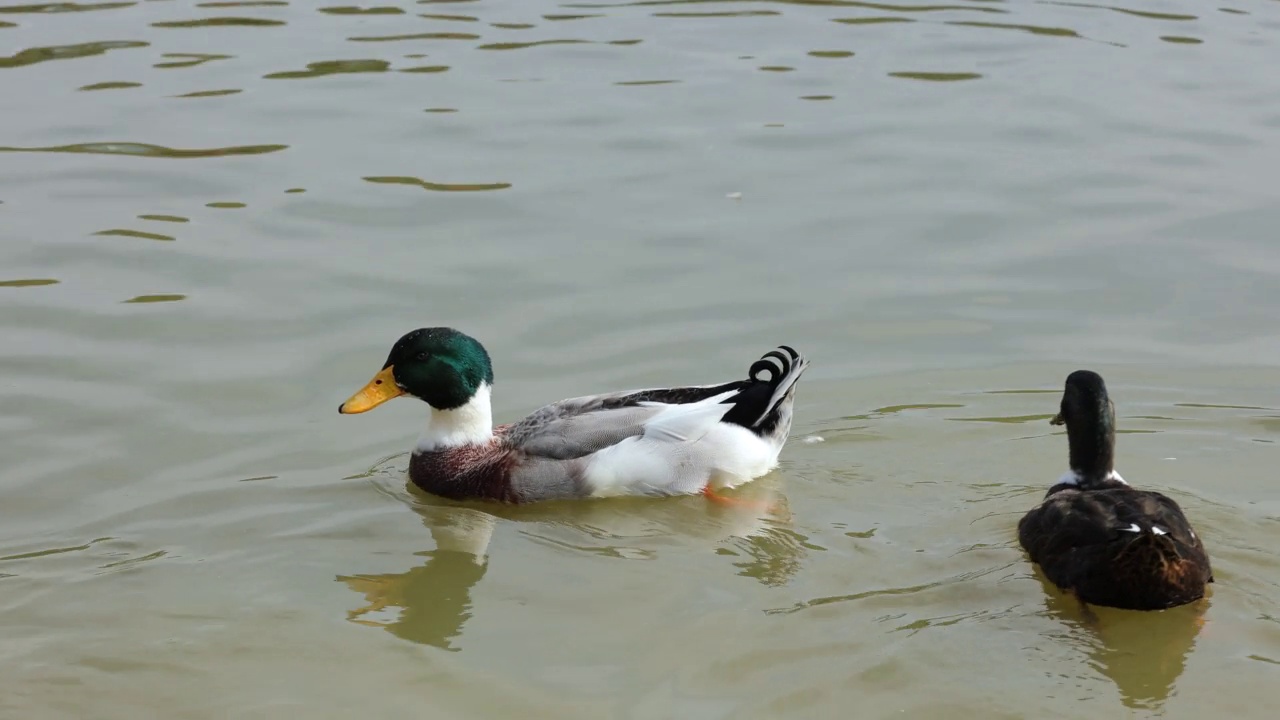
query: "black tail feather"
756, 406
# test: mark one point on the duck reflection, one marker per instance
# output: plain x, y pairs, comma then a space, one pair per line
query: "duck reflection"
434, 598
429, 604
1143, 653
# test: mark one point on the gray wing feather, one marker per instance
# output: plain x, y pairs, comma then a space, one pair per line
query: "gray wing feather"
576, 428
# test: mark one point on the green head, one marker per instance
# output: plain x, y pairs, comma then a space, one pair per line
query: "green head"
439, 365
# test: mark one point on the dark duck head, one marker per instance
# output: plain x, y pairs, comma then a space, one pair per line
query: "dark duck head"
1090, 417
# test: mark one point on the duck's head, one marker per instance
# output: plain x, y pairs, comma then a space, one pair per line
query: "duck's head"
1090, 417
1084, 400
441, 366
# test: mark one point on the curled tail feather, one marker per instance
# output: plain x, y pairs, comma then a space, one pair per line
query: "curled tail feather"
763, 405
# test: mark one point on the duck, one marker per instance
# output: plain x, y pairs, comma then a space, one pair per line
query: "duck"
1096, 536
686, 440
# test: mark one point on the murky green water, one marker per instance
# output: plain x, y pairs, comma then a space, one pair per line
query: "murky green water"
216, 217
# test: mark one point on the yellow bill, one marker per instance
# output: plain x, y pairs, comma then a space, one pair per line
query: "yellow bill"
379, 390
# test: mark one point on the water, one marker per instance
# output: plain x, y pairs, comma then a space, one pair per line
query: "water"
217, 217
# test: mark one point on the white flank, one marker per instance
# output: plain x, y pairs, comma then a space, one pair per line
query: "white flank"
1133, 528
1158, 530
471, 424
683, 448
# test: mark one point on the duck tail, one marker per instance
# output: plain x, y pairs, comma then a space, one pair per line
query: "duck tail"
1163, 564
764, 404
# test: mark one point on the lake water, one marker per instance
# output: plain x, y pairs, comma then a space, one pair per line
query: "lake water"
216, 218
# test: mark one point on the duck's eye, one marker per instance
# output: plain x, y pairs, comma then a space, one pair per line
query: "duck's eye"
377, 382
422, 356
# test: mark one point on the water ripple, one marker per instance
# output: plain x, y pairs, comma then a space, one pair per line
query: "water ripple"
112, 85
416, 36
332, 67
218, 22
825, 3
1033, 29
454, 18
147, 150
124, 232
440, 187
1136, 13
49, 8
189, 59
157, 298
31, 56
354, 10
724, 14
210, 93
937, 76
535, 43
879, 20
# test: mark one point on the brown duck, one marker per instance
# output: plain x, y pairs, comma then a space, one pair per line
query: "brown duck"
1101, 539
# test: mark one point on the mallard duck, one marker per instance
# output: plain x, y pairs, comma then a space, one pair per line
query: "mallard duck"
1096, 536
662, 441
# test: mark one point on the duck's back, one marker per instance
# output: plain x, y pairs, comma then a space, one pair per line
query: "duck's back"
1118, 547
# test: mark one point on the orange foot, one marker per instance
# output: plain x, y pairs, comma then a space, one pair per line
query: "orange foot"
757, 505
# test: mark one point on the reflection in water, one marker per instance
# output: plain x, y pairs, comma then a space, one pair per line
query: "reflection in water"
434, 598
430, 603
1143, 653
29, 282
776, 555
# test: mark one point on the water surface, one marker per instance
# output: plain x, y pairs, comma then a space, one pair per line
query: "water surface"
218, 216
